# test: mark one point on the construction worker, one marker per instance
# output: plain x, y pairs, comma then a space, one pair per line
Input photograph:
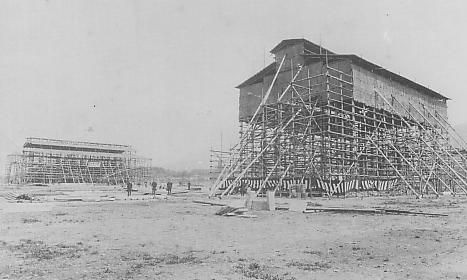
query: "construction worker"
154, 187
242, 188
128, 187
169, 187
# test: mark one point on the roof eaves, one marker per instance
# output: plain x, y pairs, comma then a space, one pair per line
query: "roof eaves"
258, 77
287, 42
381, 71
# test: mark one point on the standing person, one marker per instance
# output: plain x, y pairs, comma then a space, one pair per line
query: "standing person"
189, 185
242, 188
154, 187
169, 187
128, 187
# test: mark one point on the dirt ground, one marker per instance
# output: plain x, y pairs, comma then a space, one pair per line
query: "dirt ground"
174, 238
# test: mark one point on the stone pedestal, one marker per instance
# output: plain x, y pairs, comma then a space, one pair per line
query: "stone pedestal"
271, 200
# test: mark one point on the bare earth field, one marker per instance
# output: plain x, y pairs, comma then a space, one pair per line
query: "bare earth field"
174, 238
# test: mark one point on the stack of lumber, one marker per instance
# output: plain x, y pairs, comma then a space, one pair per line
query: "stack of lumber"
228, 210
10, 196
234, 211
282, 206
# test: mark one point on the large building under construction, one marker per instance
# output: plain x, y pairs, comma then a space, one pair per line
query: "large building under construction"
50, 161
337, 124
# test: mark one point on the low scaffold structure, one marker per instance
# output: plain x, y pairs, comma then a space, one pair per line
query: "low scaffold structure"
49, 161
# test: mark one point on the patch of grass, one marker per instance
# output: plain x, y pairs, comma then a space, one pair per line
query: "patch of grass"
256, 271
176, 259
169, 259
310, 266
138, 261
42, 251
74, 221
313, 252
30, 220
397, 202
314, 204
217, 252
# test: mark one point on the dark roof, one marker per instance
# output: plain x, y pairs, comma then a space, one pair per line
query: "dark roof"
72, 143
258, 77
71, 148
378, 70
271, 68
312, 47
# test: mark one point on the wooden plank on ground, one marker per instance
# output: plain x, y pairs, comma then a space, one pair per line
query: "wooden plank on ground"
370, 211
210, 203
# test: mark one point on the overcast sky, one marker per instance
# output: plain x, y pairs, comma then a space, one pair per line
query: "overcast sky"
160, 75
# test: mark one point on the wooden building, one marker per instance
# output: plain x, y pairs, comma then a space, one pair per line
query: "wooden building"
340, 124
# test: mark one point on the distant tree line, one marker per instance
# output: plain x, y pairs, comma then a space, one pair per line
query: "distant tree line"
163, 172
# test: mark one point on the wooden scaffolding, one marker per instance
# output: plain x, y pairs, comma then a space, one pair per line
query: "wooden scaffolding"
317, 134
49, 161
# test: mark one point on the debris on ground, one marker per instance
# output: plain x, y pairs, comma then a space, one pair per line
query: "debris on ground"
234, 211
226, 210
209, 203
370, 211
283, 206
180, 192
12, 197
100, 199
68, 199
247, 216
24, 197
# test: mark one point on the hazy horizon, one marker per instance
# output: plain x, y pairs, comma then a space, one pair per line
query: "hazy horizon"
161, 75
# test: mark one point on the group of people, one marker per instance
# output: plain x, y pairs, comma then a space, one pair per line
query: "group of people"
129, 187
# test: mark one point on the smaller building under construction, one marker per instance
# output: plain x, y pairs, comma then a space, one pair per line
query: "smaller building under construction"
51, 161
